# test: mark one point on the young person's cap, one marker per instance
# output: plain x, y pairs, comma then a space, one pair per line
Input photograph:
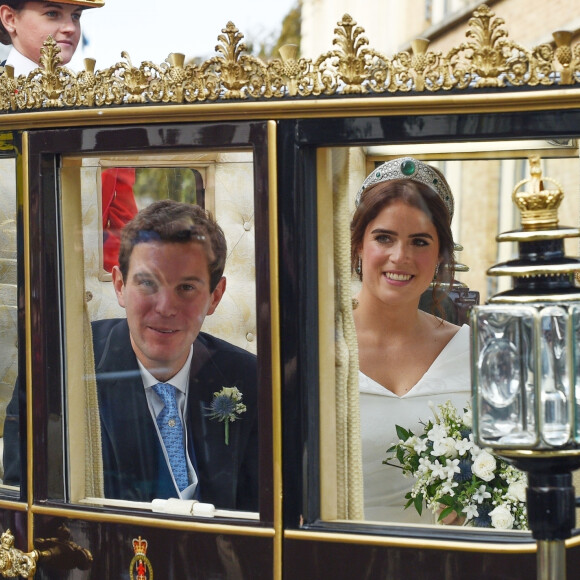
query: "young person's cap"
85, 3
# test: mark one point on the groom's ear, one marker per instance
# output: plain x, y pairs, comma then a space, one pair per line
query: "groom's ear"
118, 285
217, 295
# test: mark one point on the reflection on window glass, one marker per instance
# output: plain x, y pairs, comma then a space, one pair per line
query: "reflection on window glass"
8, 315
178, 183
173, 345
379, 383
124, 190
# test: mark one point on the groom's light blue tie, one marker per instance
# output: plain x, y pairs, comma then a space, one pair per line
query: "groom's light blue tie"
172, 433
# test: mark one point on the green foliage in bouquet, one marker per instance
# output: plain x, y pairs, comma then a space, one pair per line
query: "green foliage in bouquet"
453, 475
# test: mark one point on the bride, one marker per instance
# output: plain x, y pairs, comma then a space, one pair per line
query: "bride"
401, 242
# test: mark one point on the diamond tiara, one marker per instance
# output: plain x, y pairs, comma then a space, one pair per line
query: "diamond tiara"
415, 170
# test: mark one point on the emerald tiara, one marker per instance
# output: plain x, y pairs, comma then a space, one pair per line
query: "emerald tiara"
415, 170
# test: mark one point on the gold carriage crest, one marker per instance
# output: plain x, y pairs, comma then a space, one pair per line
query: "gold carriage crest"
140, 568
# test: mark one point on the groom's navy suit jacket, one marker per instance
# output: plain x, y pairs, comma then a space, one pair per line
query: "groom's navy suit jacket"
134, 467
133, 463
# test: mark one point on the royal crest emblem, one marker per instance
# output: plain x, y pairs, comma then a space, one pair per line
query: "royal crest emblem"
140, 568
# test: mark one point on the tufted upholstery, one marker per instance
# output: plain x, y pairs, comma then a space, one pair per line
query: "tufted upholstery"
233, 207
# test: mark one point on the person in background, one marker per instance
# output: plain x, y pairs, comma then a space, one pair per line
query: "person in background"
26, 25
118, 208
401, 242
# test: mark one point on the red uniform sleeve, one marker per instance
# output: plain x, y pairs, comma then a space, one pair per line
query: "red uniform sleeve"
119, 207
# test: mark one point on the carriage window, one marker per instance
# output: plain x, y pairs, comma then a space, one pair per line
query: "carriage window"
8, 315
356, 438
142, 310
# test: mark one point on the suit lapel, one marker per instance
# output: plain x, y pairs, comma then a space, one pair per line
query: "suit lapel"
131, 463
216, 461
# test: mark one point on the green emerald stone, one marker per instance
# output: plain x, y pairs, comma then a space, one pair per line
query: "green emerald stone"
407, 167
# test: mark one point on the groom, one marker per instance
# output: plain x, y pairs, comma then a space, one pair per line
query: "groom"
169, 278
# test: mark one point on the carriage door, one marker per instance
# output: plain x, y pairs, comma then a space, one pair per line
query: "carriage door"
76, 188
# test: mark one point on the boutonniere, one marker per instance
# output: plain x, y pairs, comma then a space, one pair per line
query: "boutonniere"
226, 406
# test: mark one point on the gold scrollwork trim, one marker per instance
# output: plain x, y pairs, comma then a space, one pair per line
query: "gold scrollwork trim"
488, 59
398, 105
14, 562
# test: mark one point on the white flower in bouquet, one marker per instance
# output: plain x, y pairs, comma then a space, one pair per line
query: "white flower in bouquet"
464, 445
420, 445
517, 491
453, 475
502, 518
445, 446
484, 466
481, 494
437, 432
438, 471
468, 418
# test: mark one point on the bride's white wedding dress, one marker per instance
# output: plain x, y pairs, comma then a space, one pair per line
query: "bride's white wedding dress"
448, 379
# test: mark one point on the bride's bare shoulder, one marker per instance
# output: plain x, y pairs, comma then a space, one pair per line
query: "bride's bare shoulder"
441, 329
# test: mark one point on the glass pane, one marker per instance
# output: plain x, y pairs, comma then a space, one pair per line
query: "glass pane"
9, 472
159, 311
575, 311
556, 403
505, 365
357, 437
124, 190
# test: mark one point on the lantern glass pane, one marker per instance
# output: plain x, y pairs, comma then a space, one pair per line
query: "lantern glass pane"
554, 379
575, 316
503, 375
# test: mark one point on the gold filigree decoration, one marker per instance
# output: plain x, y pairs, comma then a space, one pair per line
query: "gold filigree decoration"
237, 75
567, 58
488, 59
14, 562
351, 65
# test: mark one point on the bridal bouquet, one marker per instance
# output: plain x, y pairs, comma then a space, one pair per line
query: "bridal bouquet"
453, 475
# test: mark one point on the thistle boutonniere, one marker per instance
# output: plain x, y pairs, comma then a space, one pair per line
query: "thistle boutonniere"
226, 406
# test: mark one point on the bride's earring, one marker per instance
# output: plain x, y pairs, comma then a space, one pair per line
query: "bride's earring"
359, 266
436, 272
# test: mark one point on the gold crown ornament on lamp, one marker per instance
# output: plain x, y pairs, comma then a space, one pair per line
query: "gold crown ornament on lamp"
542, 271
539, 207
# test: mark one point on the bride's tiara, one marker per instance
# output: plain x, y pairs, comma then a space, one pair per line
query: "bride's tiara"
415, 170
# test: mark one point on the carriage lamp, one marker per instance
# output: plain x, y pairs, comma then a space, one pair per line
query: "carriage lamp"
526, 367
